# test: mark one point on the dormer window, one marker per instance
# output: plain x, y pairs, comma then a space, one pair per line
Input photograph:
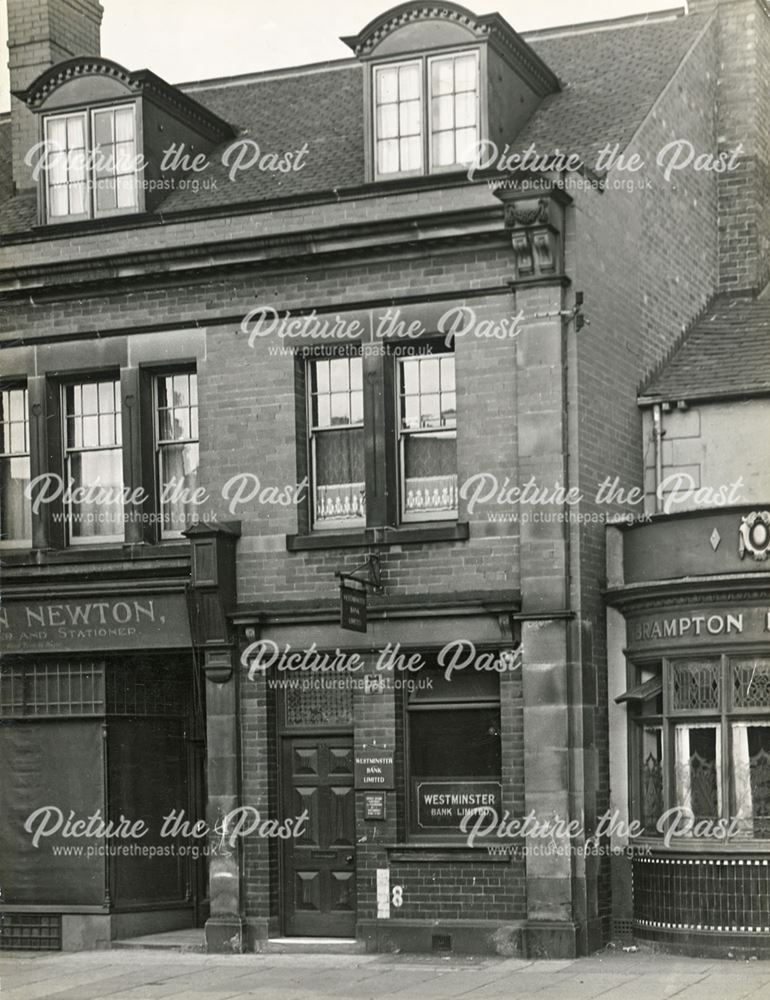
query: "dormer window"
410, 131
103, 137
438, 80
91, 163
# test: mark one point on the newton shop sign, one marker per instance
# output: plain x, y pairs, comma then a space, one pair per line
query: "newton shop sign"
124, 622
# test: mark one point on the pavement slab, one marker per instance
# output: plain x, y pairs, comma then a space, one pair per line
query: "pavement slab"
151, 974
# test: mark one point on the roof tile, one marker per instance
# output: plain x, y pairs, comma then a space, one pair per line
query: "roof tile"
726, 353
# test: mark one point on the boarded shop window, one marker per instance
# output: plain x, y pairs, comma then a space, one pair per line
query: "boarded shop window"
50, 764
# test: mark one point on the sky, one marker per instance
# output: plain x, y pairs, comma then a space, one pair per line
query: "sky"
183, 40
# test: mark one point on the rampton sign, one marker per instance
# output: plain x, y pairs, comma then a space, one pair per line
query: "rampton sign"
124, 622
701, 626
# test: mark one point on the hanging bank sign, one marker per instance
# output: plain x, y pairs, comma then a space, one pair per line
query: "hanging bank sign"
702, 626
95, 623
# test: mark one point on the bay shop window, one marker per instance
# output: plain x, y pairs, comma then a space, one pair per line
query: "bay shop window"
396, 423
700, 741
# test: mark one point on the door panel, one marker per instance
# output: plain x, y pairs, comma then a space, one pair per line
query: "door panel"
319, 866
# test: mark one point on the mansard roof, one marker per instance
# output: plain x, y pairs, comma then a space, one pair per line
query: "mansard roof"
611, 76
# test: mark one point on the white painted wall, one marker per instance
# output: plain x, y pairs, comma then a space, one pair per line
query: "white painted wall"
720, 451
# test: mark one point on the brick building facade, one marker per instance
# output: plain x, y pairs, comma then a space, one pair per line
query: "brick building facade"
340, 356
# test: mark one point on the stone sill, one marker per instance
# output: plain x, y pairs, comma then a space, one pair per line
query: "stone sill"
425, 853
115, 552
412, 534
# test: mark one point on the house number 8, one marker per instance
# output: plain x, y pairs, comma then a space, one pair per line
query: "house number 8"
397, 895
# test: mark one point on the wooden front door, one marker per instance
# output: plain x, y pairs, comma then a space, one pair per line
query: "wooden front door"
320, 865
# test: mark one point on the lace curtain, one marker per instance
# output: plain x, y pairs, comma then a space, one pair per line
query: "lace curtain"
698, 753
751, 776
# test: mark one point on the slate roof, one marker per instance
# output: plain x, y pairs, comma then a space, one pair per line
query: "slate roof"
610, 79
726, 353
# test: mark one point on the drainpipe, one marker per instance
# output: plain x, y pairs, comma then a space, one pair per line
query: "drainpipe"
657, 422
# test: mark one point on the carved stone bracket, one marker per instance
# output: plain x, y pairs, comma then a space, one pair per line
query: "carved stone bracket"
536, 224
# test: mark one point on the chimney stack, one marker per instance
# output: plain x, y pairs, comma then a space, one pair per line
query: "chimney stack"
42, 33
743, 117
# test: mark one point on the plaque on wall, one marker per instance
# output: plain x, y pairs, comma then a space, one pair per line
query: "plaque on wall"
374, 805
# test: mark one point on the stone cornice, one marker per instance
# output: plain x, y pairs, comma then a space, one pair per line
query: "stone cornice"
140, 82
722, 589
489, 27
277, 249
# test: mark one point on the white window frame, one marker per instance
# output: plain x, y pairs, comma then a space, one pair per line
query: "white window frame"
425, 63
71, 217
108, 212
19, 543
444, 168
161, 443
328, 523
87, 116
72, 540
390, 66
403, 434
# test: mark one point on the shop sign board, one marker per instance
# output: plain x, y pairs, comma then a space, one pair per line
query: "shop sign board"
699, 626
84, 624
